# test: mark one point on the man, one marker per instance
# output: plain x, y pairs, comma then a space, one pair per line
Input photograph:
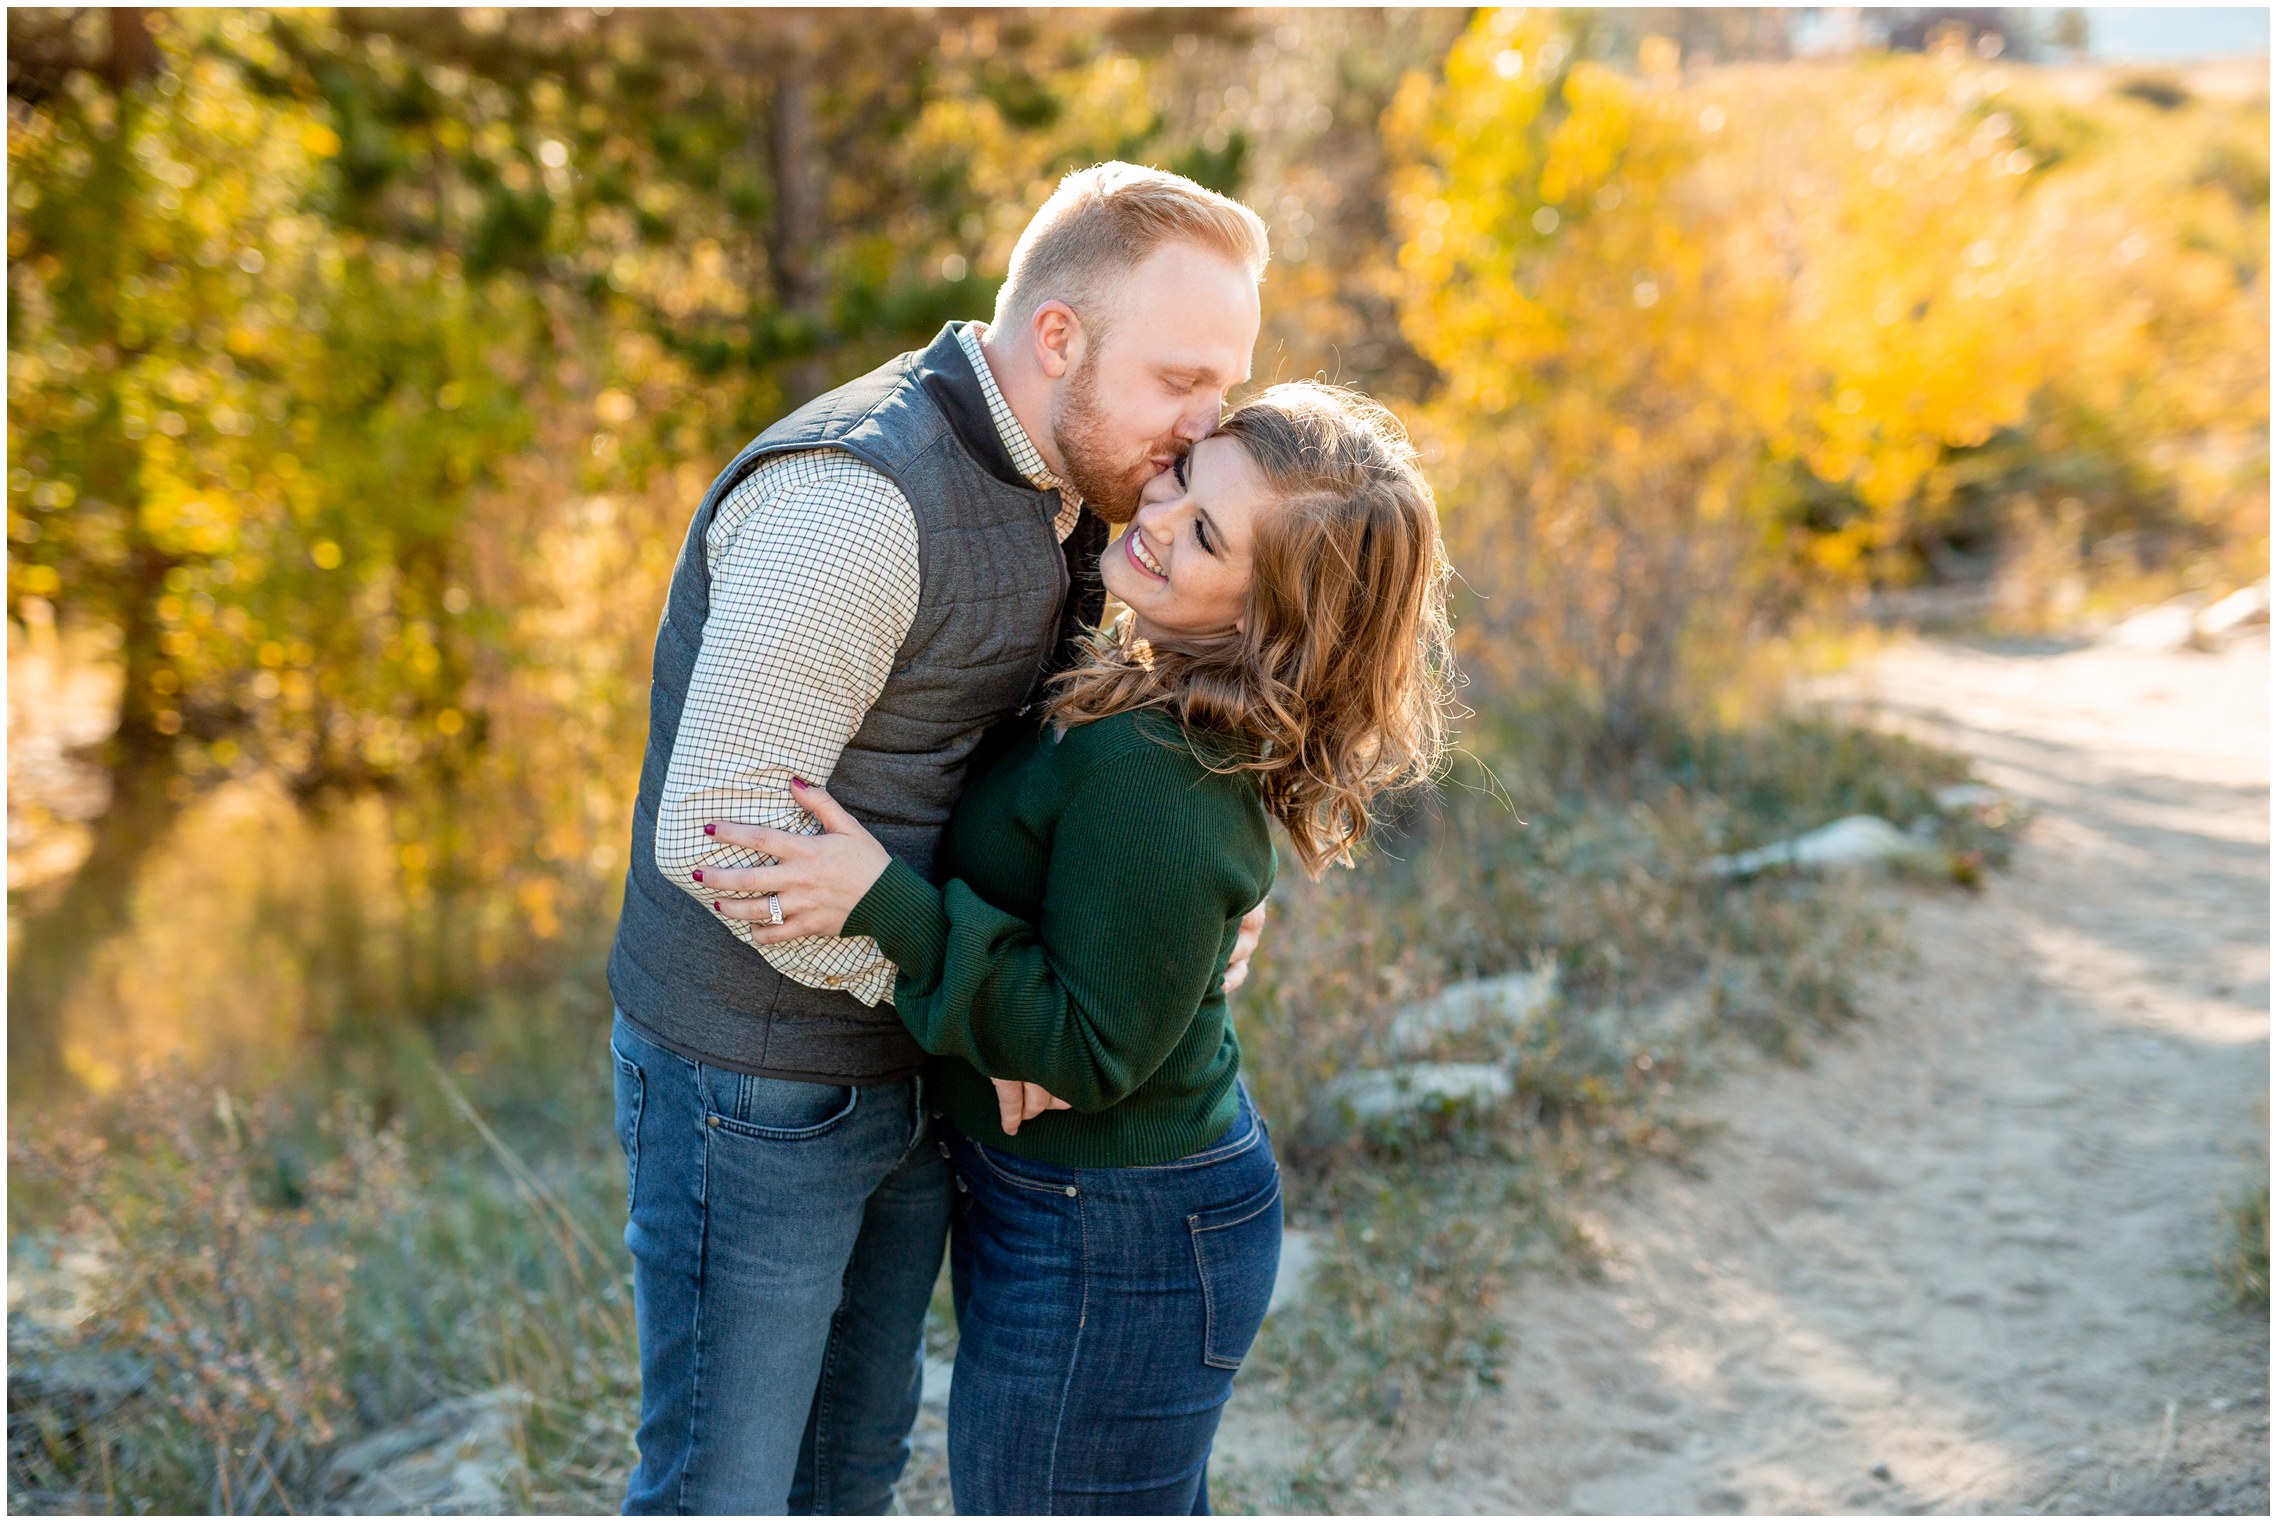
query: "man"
869, 585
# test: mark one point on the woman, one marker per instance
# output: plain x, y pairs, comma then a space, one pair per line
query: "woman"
1283, 658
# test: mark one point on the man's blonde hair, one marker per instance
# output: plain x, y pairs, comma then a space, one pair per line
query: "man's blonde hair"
1102, 223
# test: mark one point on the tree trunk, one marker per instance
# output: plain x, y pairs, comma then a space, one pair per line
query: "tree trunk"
795, 243
133, 52
56, 947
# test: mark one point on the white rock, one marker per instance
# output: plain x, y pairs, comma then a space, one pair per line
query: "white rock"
461, 1457
1508, 1002
2168, 626
2247, 605
1377, 1093
1861, 840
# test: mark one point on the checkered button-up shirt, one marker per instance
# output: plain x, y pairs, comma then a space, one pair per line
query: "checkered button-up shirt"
814, 584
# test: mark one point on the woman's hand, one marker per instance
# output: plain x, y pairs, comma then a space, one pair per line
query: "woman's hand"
1244, 946
817, 880
1018, 1101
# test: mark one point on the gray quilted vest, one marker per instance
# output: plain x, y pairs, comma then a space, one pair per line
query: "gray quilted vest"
1000, 603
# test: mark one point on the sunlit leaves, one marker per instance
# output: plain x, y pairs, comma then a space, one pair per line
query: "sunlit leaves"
1815, 317
228, 414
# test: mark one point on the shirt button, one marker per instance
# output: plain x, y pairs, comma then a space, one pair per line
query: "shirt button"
834, 981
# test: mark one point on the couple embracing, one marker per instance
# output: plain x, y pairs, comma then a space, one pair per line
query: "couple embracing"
939, 888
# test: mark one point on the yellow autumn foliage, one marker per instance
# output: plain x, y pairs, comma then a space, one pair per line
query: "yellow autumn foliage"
1716, 343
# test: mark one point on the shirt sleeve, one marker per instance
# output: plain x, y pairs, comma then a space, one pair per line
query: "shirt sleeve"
1088, 1004
814, 586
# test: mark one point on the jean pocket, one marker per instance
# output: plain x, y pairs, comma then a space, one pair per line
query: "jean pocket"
1237, 1252
776, 1110
632, 1094
999, 1166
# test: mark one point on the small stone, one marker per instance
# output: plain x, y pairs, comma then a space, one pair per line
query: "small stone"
1503, 1004
459, 1457
1880, 1472
2221, 1404
1957, 798
1375, 1094
2247, 605
2170, 626
1859, 841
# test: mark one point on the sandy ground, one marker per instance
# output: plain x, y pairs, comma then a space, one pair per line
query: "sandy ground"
1959, 1263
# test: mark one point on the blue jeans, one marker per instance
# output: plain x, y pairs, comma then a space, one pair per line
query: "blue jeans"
1101, 1315
785, 1239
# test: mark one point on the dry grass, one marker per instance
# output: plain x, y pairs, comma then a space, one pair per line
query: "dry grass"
2245, 1265
2243, 1268
276, 1287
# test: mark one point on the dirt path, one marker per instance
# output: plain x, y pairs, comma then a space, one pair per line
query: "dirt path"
1959, 1263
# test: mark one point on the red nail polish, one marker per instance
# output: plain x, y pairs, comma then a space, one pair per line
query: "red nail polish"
715, 905
698, 875
800, 782
711, 830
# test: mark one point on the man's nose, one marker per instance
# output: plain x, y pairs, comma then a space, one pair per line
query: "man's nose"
1201, 420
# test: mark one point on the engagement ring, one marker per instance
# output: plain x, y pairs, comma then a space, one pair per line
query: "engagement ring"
774, 910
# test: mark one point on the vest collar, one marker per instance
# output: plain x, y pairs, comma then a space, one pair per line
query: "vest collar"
946, 374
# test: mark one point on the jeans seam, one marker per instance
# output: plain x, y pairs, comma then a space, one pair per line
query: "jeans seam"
916, 1123
1074, 1354
696, 1321
632, 1143
822, 1500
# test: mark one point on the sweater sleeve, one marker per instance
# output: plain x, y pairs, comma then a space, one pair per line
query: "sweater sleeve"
1147, 869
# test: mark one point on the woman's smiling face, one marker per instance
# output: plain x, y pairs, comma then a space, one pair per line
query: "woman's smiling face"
1182, 567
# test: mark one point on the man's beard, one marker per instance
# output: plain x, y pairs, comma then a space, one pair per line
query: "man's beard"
1079, 429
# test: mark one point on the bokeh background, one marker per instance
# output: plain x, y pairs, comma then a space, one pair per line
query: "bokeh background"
364, 365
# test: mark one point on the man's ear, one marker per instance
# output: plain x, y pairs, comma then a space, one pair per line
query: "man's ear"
1057, 334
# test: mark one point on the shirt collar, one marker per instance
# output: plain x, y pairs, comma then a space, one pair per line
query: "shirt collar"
1025, 456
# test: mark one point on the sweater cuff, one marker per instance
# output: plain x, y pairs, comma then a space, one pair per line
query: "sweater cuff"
902, 913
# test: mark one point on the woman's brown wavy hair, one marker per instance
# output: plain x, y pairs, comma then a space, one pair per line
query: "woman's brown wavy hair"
1339, 686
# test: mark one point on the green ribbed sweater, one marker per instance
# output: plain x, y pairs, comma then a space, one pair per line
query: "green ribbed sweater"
1092, 888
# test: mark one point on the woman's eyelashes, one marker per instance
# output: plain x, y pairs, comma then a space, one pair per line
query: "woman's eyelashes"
1178, 469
